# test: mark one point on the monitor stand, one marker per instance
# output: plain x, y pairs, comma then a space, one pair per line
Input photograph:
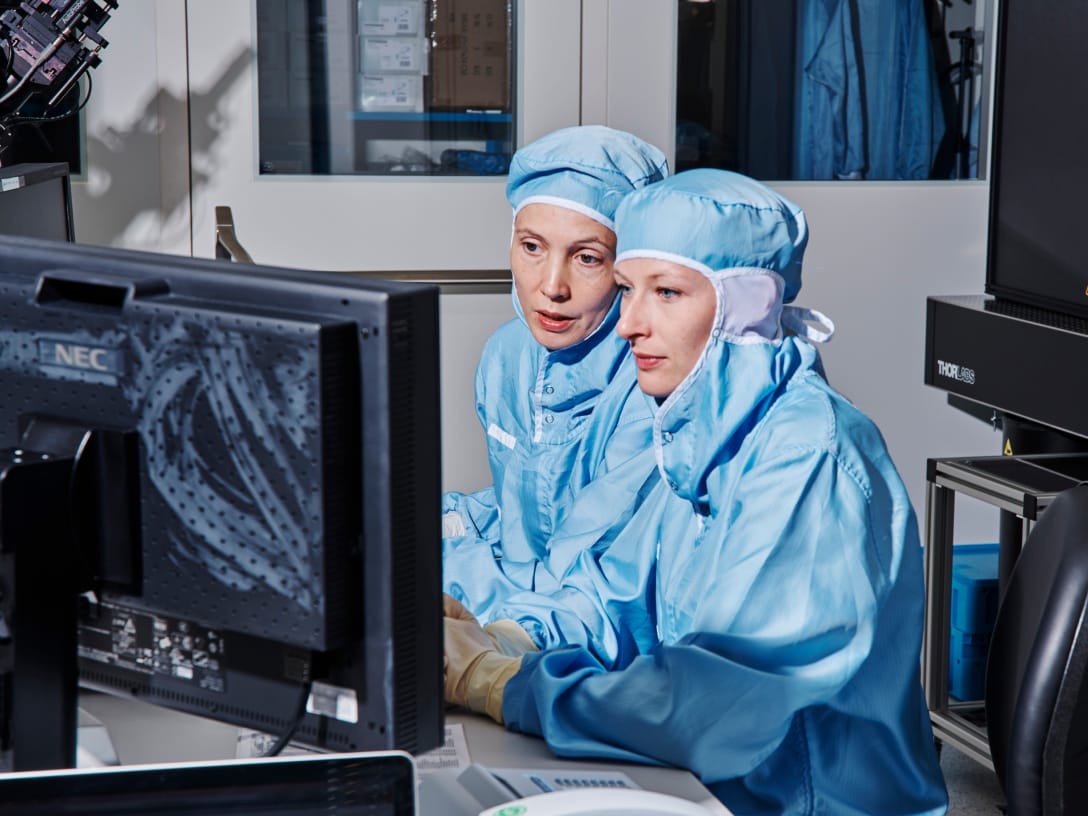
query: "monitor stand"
39, 602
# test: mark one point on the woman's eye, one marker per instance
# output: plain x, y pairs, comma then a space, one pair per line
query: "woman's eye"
624, 290
532, 247
667, 294
587, 259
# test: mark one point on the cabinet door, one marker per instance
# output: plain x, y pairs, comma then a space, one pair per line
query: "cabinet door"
328, 215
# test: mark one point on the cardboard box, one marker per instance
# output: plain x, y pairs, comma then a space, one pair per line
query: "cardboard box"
470, 56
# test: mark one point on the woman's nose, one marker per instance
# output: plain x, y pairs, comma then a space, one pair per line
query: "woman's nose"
555, 284
631, 323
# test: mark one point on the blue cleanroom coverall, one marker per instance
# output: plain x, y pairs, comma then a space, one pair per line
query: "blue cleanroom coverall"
766, 603
561, 426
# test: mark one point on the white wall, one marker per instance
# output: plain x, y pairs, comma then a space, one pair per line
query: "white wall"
467, 321
877, 249
134, 191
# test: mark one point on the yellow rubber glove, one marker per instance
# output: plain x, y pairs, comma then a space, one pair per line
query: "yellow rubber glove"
509, 638
476, 672
506, 635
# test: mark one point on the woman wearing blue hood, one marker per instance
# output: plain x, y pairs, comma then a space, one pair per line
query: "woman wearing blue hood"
777, 631
568, 433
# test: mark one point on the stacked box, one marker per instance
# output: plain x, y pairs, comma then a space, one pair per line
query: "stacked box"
471, 58
392, 55
973, 612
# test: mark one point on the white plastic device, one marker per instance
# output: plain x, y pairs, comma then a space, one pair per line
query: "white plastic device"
598, 802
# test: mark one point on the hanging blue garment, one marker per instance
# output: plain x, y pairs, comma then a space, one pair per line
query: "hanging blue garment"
869, 101
830, 127
903, 111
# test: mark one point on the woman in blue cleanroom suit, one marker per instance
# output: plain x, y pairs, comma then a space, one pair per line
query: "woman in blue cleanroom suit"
779, 558
568, 432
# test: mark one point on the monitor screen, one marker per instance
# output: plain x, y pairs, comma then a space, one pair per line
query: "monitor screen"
371, 784
236, 469
1036, 252
36, 201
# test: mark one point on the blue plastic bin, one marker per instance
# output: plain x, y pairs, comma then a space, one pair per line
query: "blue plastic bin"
973, 611
974, 587
967, 664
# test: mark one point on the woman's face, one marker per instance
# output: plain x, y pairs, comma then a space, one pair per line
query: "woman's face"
562, 266
667, 312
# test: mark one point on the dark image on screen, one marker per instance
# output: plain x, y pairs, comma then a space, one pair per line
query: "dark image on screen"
223, 481
36, 201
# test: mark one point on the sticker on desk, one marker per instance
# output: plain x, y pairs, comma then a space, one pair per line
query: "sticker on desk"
452, 754
528, 781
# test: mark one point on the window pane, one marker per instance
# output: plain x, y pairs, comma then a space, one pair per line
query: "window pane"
385, 87
832, 89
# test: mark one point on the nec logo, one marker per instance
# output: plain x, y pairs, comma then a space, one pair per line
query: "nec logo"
79, 357
956, 372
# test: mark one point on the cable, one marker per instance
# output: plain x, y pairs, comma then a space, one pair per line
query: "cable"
300, 713
67, 114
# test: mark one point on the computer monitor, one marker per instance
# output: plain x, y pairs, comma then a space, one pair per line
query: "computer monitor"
1035, 254
220, 491
36, 201
369, 784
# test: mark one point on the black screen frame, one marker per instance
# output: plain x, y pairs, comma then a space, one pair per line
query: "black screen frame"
1033, 246
370, 784
32, 191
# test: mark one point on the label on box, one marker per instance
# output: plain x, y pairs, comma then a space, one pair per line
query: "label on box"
390, 18
391, 93
392, 55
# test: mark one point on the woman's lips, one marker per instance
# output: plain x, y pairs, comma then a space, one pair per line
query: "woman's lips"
647, 362
550, 321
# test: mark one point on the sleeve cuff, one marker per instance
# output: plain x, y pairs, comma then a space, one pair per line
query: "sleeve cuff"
489, 679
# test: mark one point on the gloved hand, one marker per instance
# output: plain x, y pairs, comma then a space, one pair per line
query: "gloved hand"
453, 608
476, 673
507, 636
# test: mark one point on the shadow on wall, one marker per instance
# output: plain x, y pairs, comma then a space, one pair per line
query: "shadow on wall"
138, 180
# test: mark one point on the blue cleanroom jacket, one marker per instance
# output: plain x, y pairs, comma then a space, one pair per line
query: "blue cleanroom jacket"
868, 101
569, 445
904, 119
765, 606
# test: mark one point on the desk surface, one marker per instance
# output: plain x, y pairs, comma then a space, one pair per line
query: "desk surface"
143, 733
492, 745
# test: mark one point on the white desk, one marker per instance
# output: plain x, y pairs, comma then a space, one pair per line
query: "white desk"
143, 733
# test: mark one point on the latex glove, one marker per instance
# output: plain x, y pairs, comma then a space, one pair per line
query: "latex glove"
453, 608
507, 636
476, 674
